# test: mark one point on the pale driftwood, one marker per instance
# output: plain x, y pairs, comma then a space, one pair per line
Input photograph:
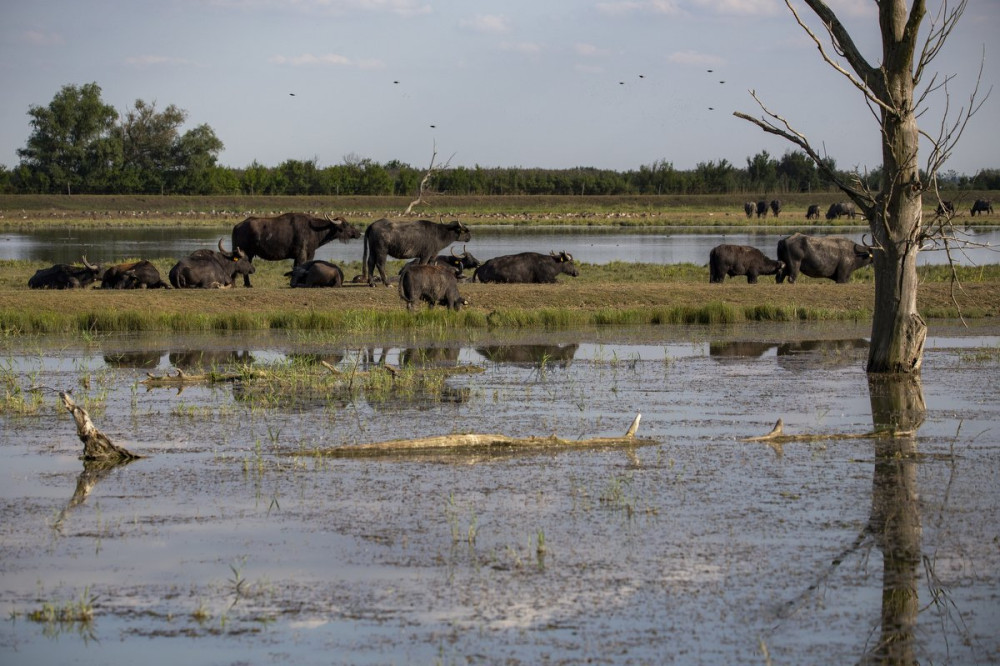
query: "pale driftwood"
777, 435
482, 443
182, 378
96, 445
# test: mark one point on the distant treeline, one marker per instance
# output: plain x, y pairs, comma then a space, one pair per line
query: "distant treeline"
794, 172
81, 145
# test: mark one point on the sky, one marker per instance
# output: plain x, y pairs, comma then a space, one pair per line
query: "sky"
614, 84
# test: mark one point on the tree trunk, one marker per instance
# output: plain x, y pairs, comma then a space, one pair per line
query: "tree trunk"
898, 331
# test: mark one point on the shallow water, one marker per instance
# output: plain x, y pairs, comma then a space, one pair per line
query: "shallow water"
231, 542
589, 245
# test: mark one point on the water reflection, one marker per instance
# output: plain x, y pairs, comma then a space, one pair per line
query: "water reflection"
721, 351
795, 356
897, 408
560, 355
203, 359
146, 360
93, 472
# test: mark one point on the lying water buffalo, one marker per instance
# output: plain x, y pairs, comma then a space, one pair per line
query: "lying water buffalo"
65, 276
407, 239
813, 212
749, 207
432, 283
981, 206
841, 208
830, 257
208, 269
133, 275
775, 207
458, 262
292, 236
526, 267
316, 273
945, 208
761, 208
733, 260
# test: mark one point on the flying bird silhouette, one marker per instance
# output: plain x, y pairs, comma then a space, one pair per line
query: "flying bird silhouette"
433, 126
709, 70
291, 94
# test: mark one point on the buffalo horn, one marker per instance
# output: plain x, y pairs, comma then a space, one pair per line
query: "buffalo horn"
453, 252
89, 266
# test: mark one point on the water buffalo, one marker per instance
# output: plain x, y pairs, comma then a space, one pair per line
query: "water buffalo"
813, 212
133, 275
761, 208
733, 260
749, 207
526, 267
432, 283
830, 257
841, 208
407, 239
316, 273
981, 206
208, 269
458, 262
775, 207
292, 236
945, 208
65, 276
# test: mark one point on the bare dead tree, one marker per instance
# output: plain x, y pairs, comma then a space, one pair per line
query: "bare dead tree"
425, 181
894, 212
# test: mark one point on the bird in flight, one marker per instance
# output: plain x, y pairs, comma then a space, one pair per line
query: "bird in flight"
291, 94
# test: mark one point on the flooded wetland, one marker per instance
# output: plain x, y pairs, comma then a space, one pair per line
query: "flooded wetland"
238, 539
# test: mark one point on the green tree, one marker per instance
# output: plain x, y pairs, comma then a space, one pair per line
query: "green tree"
762, 172
71, 146
192, 167
797, 172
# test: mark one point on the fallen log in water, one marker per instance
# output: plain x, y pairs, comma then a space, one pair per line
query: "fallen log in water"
482, 443
96, 445
777, 437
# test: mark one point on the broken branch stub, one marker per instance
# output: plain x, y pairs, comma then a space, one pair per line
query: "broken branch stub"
96, 445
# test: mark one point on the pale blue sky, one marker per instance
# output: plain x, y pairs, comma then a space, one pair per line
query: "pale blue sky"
531, 83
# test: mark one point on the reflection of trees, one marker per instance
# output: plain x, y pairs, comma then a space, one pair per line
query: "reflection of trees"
560, 355
134, 359
738, 349
201, 358
897, 406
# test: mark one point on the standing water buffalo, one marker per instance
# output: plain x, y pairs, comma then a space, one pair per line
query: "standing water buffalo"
133, 275
526, 267
407, 239
831, 257
945, 208
65, 276
813, 212
432, 283
316, 273
733, 260
292, 236
840, 208
749, 208
762, 208
981, 206
775, 207
207, 269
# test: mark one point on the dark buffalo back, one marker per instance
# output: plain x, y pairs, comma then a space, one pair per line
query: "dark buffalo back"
65, 276
407, 239
832, 257
316, 273
134, 275
532, 267
434, 284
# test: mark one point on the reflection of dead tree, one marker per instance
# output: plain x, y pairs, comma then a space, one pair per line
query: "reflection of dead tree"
96, 445
482, 443
422, 188
93, 472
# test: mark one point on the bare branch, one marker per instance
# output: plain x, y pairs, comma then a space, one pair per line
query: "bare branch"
431, 170
940, 30
844, 46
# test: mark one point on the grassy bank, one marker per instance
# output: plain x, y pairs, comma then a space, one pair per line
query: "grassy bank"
24, 211
607, 295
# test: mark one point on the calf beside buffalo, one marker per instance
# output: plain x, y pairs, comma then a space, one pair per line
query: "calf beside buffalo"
733, 260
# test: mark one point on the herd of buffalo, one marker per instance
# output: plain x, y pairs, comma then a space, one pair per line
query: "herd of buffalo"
433, 277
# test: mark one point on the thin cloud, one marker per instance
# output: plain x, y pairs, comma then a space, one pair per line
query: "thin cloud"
325, 60
36, 38
524, 48
668, 7
332, 7
740, 7
491, 23
589, 50
694, 58
155, 61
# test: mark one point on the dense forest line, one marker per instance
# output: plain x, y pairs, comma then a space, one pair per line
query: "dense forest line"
80, 145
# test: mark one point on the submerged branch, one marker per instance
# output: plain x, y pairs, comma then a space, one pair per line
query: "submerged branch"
777, 435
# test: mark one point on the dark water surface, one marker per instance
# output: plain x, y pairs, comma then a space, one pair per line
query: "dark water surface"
588, 245
232, 542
